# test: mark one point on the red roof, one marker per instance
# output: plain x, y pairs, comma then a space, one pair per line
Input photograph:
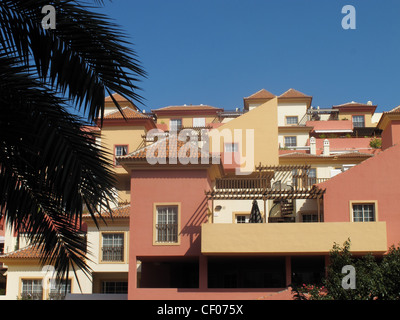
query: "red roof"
29, 252
331, 126
117, 97
90, 128
356, 106
128, 112
119, 212
262, 94
292, 93
188, 108
163, 149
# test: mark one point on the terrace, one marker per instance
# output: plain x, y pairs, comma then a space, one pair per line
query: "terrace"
282, 229
277, 186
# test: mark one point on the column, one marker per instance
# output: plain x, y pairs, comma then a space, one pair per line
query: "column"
203, 272
288, 261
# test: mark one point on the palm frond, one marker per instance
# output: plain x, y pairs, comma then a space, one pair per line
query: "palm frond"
49, 167
83, 57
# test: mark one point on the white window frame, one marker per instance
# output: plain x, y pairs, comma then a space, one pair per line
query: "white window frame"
244, 218
291, 122
115, 243
363, 212
175, 124
199, 122
167, 224
35, 287
120, 150
117, 286
290, 145
355, 123
57, 290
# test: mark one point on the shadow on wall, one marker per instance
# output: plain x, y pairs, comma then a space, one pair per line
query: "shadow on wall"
192, 228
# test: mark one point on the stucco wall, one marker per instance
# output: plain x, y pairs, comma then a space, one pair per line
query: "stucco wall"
376, 179
290, 109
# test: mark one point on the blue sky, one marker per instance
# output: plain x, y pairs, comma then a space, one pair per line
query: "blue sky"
218, 51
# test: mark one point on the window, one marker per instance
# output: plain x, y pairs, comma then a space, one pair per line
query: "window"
363, 212
231, 147
242, 218
309, 217
199, 122
115, 287
175, 124
358, 121
58, 291
113, 247
32, 289
167, 224
312, 176
292, 120
120, 151
290, 141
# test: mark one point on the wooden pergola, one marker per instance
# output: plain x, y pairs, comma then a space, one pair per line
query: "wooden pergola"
258, 186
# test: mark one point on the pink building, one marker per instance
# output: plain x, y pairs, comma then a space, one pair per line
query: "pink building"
369, 192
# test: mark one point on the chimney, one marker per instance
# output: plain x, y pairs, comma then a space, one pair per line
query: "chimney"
326, 148
313, 145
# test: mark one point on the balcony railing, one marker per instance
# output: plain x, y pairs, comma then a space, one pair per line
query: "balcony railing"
248, 183
32, 296
167, 232
57, 295
312, 180
113, 253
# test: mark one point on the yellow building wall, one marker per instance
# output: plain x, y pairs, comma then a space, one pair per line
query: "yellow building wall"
348, 115
187, 121
262, 121
121, 135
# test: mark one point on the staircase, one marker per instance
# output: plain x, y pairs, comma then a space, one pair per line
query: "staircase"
286, 207
282, 211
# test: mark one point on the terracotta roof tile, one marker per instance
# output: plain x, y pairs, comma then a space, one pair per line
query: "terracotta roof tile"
117, 213
188, 108
262, 94
331, 125
353, 104
128, 112
163, 149
117, 97
29, 252
394, 110
292, 93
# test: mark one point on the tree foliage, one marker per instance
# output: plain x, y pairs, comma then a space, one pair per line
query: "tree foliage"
376, 278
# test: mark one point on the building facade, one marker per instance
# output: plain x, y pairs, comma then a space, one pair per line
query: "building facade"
189, 178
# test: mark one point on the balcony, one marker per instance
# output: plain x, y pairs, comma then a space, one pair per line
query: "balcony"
292, 238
